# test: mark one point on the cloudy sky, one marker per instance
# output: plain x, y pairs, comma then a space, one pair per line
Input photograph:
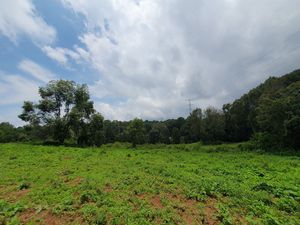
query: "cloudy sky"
145, 58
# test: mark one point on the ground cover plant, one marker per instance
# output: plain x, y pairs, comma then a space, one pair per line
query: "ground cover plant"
154, 184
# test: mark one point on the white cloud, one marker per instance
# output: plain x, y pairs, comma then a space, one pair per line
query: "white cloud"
19, 17
36, 71
57, 54
16, 89
156, 54
64, 55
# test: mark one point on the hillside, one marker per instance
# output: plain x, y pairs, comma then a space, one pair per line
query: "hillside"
271, 110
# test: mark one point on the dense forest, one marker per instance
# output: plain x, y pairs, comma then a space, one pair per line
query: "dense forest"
268, 115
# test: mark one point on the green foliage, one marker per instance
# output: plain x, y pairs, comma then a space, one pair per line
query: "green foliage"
9, 211
269, 112
150, 184
175, 136
224, 215
279, 116
96, 136
136, 132
269, 115
7, 133
213, 125
24, 185
65, 111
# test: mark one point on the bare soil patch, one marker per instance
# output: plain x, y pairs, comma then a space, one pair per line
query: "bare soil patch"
47, 217
210, 212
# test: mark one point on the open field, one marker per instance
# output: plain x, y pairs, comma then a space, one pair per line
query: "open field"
184, 184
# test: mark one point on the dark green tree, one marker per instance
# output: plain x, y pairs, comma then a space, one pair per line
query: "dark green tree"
96, 124
195, 125
213, 125
8, 133
176, 135
136, 132
278, 118
154, 136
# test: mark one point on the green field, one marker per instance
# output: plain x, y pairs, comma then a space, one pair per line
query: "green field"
179, 184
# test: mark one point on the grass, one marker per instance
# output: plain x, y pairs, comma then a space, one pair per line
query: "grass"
180, 184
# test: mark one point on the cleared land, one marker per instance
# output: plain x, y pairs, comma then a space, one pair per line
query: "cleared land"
183, 184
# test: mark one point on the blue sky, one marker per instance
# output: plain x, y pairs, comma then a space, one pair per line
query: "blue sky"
145, 58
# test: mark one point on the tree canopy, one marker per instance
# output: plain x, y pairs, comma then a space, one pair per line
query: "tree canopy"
65, 109
268, 114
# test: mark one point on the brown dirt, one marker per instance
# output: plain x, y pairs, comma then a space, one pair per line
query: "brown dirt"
156, 202
14, 196
75, 182
187, 209
48, 218
240, 220
108, 187
4, 189
210, 212
66, 157
26, 215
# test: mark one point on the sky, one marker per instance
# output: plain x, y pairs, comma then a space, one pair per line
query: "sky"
145, 58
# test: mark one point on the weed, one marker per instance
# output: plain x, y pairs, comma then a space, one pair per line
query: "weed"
24, 185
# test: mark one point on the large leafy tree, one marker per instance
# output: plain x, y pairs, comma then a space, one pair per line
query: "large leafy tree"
64, 106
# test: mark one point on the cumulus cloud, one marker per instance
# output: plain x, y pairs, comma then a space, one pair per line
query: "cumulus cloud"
37, 71
19, 17
155, 54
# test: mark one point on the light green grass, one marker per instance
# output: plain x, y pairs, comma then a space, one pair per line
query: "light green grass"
184, 184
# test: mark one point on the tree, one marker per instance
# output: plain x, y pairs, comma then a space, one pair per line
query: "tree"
278, 118
8, 133
154, 136
214, 125
80, 114
175, 136
164, 133
195, 125
97, 137
136, 132
64, 106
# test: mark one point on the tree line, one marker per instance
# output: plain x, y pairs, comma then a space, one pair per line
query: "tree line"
269, 115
